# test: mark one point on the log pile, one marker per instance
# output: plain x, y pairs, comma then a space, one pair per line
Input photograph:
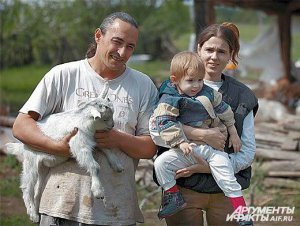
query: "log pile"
278, 153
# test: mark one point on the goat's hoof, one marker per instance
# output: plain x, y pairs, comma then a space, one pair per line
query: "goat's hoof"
35, 218
98, 195
109, 205
101, 197
118, 168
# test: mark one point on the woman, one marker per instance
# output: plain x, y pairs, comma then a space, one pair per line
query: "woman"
217, 45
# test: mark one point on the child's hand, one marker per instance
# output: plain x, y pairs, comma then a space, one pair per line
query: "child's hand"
235, 142
186, 147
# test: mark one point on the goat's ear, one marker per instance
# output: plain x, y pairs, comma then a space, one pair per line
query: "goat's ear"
95, 114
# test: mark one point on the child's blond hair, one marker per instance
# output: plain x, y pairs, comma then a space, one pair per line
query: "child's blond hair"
186, 63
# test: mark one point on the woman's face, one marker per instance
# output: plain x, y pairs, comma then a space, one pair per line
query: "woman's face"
215, 55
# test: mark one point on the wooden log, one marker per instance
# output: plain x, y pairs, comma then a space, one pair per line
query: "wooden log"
6, 121
292, 126
277, 155
291, 166
289, 145
267, 138
281, 183
270, 138
283, 174
294, 135
267, 146
268, 126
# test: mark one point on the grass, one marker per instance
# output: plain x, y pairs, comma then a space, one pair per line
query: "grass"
16, 220
248, 31
18, 83
295, 46
182, 42
10, 192
10, 170
155, 69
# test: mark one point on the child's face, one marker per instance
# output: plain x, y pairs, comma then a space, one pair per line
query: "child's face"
190, 85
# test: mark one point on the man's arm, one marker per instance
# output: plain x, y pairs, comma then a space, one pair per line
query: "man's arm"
138, 147
26, 130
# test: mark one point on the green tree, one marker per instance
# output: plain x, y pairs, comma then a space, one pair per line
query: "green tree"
53, 31
163, 25
16, 48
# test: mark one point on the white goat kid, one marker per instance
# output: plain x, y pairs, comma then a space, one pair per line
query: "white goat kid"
91, 116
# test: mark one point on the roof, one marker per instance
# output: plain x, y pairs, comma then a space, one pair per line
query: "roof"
269, 6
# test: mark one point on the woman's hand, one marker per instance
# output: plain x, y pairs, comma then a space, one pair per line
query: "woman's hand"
214, 138
235, 142
201, 167
234, 139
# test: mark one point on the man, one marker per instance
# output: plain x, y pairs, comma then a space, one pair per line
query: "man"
66, 198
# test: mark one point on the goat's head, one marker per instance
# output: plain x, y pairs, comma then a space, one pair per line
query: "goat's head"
101, 111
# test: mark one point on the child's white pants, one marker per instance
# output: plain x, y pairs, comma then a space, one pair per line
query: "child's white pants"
172, 160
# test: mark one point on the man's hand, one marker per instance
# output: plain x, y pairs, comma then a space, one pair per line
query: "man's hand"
63, 144
107, 139
137, 147
201, 167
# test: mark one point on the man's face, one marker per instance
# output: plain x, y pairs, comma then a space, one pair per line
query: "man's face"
116, 46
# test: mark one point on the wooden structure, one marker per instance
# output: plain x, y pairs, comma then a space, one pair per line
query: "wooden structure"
278, 154
284, 9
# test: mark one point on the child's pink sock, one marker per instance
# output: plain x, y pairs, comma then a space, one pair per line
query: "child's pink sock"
238, 201
173, 189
